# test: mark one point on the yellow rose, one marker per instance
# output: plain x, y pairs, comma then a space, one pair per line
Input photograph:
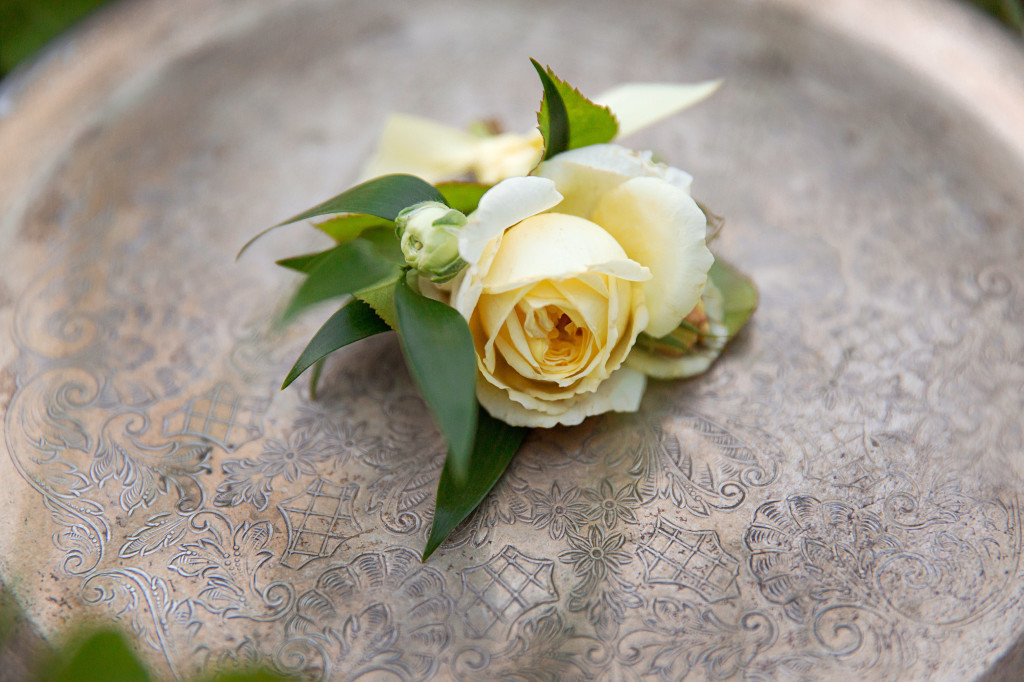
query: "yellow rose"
566, 271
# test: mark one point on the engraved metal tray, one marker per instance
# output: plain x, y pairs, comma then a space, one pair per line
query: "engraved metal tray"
837, 498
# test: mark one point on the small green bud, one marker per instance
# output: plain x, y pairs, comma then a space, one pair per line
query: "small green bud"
429, 234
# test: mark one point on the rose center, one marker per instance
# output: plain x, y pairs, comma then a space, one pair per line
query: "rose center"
561, 339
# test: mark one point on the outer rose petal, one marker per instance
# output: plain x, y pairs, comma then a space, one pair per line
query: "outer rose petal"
621, 392
660, 227
586, 174
638, 105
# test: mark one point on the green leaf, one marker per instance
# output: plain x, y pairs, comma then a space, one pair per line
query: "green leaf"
496, 443
346, 268
383, 238
438, 349
585, 122
738, 293
304, 263
381, 297
103, 657
383, 197
462, 196
347, 227
386, 241
354, 322
552, 119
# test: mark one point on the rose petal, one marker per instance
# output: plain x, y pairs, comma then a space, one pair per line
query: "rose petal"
638, 105
501, 207
662, 228
621, 392
586, 174
551, 246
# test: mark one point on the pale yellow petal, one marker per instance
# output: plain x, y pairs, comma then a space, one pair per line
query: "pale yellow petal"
586, 174
660, 227
621, 392
433, 151
501, 207
638, 105
552, 246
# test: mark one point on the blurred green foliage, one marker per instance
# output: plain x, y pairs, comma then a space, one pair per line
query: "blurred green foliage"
26, 25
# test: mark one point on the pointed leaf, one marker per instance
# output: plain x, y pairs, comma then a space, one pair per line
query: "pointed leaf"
383, 197
552, 119
463, 196
354, 322
304, 263
438, 349
496, 442
738, 293
586, 123
346, 268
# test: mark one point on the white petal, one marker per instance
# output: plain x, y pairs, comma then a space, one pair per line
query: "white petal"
621, 392
661, 228
430, 150
553, 246
586, 174
638, 105
501, 207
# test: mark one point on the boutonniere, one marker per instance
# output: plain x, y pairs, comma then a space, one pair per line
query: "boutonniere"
534, 280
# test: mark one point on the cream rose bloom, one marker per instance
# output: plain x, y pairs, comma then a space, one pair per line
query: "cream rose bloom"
566, 269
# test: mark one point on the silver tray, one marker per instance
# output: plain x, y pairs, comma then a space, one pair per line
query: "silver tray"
838, 497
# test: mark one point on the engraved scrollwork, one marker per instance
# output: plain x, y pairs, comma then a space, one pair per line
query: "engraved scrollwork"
381, 613
226, 560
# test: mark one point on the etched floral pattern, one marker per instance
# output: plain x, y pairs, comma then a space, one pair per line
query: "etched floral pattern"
610, 505
559, 512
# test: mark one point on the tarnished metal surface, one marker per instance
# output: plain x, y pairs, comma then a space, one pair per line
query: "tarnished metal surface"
838, 497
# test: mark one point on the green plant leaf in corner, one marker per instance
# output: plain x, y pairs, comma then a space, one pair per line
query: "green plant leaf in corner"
738, 293
383, 197
496, 443
438, 349
585, 122
353, 322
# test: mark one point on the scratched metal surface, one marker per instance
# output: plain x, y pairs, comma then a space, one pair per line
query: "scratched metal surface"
838, 497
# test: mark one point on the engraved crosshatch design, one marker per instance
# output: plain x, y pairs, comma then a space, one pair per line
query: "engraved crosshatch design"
318, 521
221, 415
837, 498
688, 559
503, 589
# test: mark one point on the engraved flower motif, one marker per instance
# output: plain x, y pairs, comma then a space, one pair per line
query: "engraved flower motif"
595, 556
295, 458
557, 511
610, 505
351, 439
